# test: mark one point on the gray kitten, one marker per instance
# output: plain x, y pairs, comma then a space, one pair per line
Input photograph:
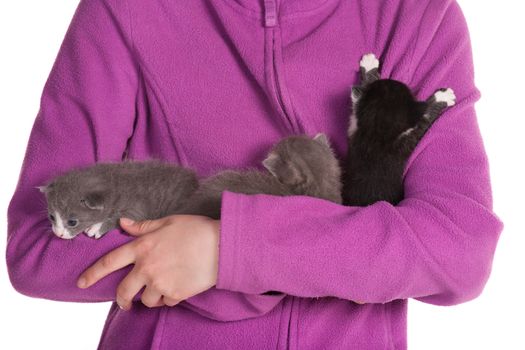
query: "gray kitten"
92, 199
297, 165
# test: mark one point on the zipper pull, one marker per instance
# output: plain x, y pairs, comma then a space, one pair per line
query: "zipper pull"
270, 13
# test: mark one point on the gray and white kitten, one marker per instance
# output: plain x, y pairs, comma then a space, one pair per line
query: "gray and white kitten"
92, 199
297, 165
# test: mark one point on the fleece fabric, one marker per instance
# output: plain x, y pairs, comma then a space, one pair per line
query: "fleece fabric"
212, 85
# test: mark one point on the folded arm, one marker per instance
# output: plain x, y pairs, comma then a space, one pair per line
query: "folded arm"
436, 245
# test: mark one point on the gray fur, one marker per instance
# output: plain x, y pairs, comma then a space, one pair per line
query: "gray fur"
297, 165
105, 192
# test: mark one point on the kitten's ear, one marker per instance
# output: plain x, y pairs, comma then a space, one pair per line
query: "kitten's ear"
322, 139
45, 188
270, 163
94, 200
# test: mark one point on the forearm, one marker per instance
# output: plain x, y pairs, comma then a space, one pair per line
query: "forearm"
422, 248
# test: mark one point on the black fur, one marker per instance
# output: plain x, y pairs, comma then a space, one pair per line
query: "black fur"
390, 123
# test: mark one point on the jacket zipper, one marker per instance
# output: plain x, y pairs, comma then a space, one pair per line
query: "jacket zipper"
270, 18
277, 85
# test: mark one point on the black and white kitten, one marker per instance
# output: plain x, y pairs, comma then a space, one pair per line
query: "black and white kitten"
386, 124
297, 165
92, 199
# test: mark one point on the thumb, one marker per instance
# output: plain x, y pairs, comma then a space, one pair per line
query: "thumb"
139, 228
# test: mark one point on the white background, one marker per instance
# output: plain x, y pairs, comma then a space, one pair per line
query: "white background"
30, 35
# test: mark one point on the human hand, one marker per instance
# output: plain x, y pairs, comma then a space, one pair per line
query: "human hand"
175, 257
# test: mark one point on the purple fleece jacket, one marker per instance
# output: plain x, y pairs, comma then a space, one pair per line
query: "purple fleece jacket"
212, 85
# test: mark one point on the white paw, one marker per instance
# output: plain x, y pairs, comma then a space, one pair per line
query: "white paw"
94, 230
446, 96
369, 62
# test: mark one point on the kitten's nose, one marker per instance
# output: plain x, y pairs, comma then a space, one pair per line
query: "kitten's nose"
60, 234
65, 235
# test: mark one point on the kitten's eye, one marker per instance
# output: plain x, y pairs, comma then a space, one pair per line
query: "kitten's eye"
72, 222
52, 217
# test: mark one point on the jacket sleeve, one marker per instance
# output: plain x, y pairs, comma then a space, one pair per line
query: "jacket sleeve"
436, 245
86, 115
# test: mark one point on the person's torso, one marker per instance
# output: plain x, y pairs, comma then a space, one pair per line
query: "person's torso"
223, 80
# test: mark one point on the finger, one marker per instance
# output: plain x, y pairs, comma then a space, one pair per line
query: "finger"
170, 301
138, 228
359, 302
151, 297
112, 261
129, 287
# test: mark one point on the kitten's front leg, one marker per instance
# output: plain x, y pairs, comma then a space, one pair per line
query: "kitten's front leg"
436, 103
94, 230
369, 68
100, 228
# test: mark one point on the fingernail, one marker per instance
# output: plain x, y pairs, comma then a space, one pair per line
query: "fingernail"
81, 283
127, 221
125, 308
